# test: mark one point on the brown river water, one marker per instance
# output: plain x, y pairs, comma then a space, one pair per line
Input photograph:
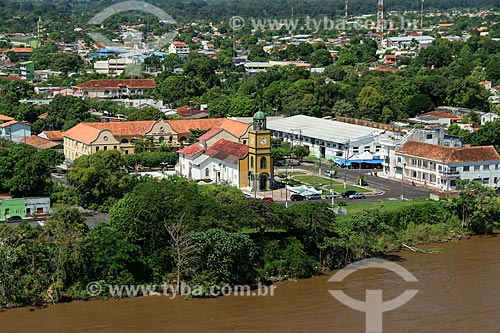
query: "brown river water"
459, 291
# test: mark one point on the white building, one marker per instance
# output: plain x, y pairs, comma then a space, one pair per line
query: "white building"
487, 117
440, 167
178, 48
221, 163
112, 67
335, 140
406, 41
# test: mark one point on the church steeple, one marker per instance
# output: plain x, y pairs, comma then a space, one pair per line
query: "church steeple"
259, 121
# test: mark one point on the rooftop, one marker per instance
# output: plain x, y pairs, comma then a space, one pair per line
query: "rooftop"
449, 154
228, 151
116, 84
39, 142
323, 129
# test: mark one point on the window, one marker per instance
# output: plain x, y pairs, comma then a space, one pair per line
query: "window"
429, 136
466, 168
105, 148
39, 210
244, 142
263, 163
96, 148
355, 149
477, 167
183, 138
251, 162
486, 181
207, 172
114, 147
124, 141
170, 138
161, 140
28, 211
7, 211
126, 151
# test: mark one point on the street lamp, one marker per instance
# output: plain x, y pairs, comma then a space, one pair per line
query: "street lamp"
346, 152
402, 181
331, 184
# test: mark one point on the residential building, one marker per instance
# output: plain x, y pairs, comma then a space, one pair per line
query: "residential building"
45, 74
218, 157
12, 130
257, 67
24, 207
112, 66
488, 117
88, 138
41, 143
27, 70
114, 88
179, 48
441, 167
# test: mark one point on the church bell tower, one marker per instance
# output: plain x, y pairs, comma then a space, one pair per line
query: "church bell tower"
260, 165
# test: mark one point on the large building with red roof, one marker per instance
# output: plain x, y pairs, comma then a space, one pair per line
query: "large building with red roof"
441, 167
88, 138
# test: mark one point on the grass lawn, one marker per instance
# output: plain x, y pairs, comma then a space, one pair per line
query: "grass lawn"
354, 206
320, 181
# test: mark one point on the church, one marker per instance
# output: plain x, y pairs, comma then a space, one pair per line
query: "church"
220, 158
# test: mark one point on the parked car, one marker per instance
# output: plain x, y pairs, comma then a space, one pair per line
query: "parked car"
346, 194
297, 197
316, 196
14, 218
356, 196
268, 199
329, 173
335, 195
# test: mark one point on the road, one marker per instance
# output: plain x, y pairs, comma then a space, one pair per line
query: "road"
386, 189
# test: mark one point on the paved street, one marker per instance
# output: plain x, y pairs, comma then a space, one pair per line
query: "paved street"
383, 189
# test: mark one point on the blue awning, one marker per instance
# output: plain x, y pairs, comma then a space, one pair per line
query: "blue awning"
343, 162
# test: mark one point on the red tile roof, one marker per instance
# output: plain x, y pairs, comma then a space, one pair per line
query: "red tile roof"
234, 127
179, 44
125, 128
5, 118
227, 150
8, 123
116, 84
187, 111
210, 134
54, 135
82, 132
43, 115
386, 69
449, 154
441, 115
192, 150
39, 142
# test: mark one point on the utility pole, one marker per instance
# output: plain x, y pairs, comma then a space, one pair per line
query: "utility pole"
346, 17
331, 184
422, 16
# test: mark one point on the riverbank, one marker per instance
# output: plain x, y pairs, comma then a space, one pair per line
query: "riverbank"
448, 287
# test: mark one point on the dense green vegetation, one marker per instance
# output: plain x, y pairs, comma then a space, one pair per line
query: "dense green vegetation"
173, 231
25, 171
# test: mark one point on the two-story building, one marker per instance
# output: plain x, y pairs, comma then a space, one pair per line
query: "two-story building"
113, 88
89, 138
179, 48
440, 167
13, 130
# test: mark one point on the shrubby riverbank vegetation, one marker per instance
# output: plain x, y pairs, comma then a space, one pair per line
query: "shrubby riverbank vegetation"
173, 230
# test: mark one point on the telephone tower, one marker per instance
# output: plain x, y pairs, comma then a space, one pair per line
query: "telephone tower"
422, 16
380, 20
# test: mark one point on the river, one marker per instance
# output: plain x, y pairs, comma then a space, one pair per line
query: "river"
459, 291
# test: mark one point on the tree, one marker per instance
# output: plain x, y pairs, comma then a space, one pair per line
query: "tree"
147, 113
321, 58
300, 152
183, 247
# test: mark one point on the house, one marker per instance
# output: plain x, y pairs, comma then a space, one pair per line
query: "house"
189, 112
12, 130
409, 41
441, 167
113, 88
88, 138
219, 158
55, 136
178, 48
41, 143
24, 207
437, 118
488, 117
